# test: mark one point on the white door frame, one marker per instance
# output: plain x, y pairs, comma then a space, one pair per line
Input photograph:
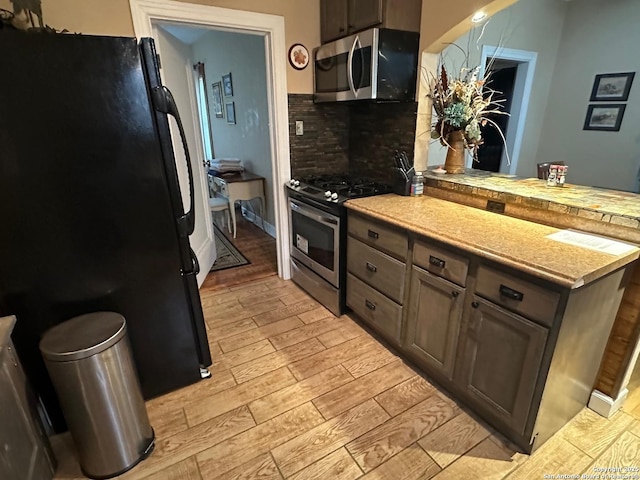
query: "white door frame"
521, 97
144, 12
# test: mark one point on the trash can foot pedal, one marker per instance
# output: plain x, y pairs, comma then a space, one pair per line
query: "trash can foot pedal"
150, 448
205, 373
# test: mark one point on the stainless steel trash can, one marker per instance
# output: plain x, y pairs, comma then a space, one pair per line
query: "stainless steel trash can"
90, 363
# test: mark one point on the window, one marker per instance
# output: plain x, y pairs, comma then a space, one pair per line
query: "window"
203, 110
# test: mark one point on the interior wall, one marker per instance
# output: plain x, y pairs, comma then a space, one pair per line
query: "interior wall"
518, 27
113, 17
595, 40
244, 56
92, 17
443, 22
301, 23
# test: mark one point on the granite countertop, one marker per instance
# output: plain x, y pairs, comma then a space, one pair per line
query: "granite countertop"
511, 241
6, 327
609, 206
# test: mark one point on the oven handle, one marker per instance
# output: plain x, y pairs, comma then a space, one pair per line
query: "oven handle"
308, 213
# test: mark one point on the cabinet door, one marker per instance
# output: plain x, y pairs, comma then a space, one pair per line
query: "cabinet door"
501, 362
364, 14
333, 19
23, 449
434, 320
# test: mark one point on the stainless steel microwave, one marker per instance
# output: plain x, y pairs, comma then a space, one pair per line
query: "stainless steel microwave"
377, 64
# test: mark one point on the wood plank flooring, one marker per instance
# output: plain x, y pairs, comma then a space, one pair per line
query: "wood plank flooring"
257, 246
298, 393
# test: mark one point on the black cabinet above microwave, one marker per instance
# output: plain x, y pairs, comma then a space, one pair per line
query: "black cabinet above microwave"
378, 64
339, 18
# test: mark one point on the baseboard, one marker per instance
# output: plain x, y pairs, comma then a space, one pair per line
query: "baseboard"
605, 405
256, 220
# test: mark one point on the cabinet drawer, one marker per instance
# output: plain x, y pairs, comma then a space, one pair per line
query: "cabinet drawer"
374, 308
527, 299
381, 236
378, 269
441, 262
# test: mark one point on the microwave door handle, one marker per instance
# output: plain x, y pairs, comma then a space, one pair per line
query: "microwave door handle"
350, 66
361, 52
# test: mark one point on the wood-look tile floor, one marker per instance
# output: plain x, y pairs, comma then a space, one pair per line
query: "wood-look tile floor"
298, 393
256, 245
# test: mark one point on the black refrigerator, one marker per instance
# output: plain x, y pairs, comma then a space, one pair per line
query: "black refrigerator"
90, 204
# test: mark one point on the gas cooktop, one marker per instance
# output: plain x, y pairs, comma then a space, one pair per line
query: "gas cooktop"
337, 188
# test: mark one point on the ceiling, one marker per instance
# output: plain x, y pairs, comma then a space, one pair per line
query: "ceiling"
188, 35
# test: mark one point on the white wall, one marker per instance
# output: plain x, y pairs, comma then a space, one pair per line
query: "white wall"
597, 38
176, 72
532, 25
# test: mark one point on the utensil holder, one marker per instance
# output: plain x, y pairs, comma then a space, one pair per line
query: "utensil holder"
402, 187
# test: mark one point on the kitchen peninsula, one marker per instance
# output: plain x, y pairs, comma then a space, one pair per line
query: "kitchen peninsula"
608, 212
512, 322
612, 213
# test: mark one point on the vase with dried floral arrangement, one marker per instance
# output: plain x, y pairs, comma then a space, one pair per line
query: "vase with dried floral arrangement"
462, 105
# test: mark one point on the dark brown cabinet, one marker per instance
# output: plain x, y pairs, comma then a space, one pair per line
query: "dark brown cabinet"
519, 350
375, 279
333, 19
500, 362
339, 18
25, 452
364, 14
433, 321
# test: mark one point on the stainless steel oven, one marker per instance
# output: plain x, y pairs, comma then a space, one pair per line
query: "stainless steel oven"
318, 221
315, 239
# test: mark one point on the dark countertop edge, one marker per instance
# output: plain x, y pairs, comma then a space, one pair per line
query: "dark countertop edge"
545, 274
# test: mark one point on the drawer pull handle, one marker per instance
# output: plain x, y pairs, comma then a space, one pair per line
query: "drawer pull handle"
372, 234
475, 304
369, 305
511, 293
437, 262
371, 267
455, 294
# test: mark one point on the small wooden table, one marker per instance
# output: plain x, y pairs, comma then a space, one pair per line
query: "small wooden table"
240, 186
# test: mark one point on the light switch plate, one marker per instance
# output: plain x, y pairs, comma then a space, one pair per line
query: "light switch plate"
299, 127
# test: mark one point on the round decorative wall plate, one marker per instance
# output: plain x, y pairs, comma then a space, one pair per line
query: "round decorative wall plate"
298, 56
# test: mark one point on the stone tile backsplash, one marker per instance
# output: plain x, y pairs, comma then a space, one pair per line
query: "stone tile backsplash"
376, 130
359, 138
324, 147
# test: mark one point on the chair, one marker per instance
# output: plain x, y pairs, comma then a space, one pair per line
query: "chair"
218, 204
543, 169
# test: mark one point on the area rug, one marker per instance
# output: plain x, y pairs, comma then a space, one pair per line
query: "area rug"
227, 256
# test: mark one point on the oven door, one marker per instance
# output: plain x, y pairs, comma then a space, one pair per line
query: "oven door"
346, 69
315, 240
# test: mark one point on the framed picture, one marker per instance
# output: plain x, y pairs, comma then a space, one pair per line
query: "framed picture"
230, 107
604, 117
227, 85
217, 99
612, 86
298, 56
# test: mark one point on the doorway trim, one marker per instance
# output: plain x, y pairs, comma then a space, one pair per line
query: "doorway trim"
145, 12
521, 96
